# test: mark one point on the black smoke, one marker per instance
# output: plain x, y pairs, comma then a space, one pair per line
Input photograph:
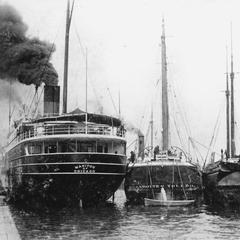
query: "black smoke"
24, 59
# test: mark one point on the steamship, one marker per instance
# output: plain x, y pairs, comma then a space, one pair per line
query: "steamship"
221, 178
169, 168
64, 159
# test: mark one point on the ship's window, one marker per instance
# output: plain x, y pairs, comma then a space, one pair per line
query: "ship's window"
31, 149
120, 148
106, 148
68, 146
100, 149
34, 149
50, 147
86, 146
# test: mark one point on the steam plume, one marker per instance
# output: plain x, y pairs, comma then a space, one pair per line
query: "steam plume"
22, 58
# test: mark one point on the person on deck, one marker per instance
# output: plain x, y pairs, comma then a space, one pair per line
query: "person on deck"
156, 151
132, 157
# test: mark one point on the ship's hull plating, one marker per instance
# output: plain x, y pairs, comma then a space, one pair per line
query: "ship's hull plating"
139, 185
222, 185
63, 179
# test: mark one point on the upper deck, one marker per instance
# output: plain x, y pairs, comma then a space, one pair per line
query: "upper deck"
165, 158
67, 125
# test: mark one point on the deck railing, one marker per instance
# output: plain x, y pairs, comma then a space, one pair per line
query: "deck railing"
57, 130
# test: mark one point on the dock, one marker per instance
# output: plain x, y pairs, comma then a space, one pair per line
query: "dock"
8, 229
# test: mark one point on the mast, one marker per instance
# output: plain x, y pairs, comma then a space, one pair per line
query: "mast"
227, 108
232, 103
65, 74
165, 111
119, 104
86, 93
9, 106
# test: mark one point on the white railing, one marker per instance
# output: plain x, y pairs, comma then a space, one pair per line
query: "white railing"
164, 156
56, 130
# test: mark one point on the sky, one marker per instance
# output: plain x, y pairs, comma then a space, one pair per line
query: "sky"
123, 42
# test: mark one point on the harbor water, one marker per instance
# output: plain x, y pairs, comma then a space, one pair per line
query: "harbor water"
121, 221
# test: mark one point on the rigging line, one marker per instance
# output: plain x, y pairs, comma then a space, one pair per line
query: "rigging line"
184, 112
215, 127
212, 138
28, 95
150, 124
71, 12
192, 139
174, 96
183, 117
79, 39
84, 53
47, 60
96, 95
217, 132
185, 122
187, 128
236, 122
175, 123
38, 101
197, 152
173, 177
115, 108
174, 119
135, 140
181, 181
150, 179
155, 92
237, 128
147, 134
178, 133
26, 100
143, 115
29, 109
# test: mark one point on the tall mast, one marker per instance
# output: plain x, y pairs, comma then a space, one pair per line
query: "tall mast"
232, 103
119, 104
9, 105
165, 111
65, 74
86, 94
227, 108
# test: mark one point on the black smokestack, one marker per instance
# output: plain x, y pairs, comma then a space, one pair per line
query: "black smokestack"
22, 58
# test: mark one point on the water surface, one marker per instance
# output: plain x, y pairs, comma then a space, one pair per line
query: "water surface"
118, 221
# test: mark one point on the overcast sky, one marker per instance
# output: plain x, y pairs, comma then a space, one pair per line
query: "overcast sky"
124, 55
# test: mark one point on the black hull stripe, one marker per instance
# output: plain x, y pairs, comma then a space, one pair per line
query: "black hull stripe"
72, 173
69, 163
66, 153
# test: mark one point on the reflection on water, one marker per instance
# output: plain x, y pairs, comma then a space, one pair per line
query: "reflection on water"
117, 221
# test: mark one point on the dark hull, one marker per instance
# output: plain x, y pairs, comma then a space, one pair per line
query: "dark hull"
138, 184
222, 184
65, 179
